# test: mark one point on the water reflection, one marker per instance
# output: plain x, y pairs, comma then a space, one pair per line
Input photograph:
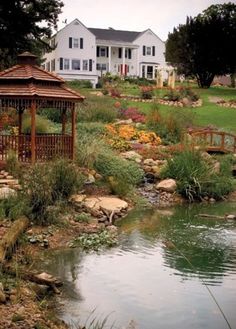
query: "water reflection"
155, 276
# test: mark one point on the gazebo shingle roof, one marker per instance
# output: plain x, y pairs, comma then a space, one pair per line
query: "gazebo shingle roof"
27, 80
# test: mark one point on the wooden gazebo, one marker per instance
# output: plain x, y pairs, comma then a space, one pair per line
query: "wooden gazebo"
27, 86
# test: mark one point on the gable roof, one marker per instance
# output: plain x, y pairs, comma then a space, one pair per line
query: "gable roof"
114, 35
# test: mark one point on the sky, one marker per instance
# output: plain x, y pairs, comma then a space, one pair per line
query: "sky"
161, 16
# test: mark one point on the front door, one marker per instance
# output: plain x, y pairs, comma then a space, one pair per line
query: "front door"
123, 69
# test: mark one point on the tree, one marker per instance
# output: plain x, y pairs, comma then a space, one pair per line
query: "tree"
203, 47
24, 25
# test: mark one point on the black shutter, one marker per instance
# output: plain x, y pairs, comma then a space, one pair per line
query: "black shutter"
153, 50
129, 53
70, 42
120, 53
107, 52
90, 65
98, 50
61, 63
81, 43
144, 50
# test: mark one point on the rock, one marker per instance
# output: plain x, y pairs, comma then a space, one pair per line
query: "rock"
2, 294
186, 101
91, 203
231, 217
149, 162
168, 185
90, 179
6, 192
78, 198
112, 204
131, 155
212, 200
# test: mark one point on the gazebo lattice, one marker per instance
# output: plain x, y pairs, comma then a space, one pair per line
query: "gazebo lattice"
26, 86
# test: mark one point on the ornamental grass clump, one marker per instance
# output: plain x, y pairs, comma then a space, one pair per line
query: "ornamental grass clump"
196, 176
111, 165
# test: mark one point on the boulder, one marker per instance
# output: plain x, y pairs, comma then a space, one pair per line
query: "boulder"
112, 204
167, 185
6, 192
131, 155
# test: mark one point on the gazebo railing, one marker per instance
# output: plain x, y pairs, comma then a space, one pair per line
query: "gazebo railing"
47, 146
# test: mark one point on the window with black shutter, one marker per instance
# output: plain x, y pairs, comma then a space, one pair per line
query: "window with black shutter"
153, 50
120, 53
90, 65
81, 43
144, 50
98, 51
129, 53
107, 52
61, 63
70, 42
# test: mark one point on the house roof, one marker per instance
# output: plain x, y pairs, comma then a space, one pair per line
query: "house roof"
114, 35
27, 80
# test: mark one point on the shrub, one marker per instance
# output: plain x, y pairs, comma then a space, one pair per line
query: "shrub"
170, 127
47, 184
133, 114
110, 165
88, 148
54, 115
12, 164
14, 207
38, 191
119, 187
65, 178
77, 84
99, 111
146, 92
180, 93
195, 176
42, 125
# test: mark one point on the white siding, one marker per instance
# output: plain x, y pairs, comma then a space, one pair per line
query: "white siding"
74, 30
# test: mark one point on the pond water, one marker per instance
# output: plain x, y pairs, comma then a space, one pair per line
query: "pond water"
171, 269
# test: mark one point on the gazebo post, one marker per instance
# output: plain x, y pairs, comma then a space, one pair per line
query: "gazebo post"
20, 115
73, 129
33, 131
63, 130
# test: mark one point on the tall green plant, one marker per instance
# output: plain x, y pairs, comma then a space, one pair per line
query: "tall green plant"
196, 177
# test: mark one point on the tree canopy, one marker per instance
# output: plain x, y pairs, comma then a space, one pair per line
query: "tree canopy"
203, 47
24, 24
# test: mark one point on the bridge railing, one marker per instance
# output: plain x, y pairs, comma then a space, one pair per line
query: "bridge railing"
217, 141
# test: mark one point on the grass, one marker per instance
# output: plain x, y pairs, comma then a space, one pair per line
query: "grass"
208, 114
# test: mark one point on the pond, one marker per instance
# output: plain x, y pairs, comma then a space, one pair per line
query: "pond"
171, 269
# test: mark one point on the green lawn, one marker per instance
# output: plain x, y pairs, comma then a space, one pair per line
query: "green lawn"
208, 114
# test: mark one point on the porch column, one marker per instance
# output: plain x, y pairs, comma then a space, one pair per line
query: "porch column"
123, 61
73, 130
33, 132
63, 119
109, 59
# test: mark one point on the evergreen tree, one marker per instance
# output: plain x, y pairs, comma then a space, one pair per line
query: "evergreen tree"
24, 25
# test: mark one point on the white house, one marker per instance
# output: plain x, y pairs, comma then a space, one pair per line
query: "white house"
87, 53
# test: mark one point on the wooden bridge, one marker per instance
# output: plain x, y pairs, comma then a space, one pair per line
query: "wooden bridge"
214, 141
